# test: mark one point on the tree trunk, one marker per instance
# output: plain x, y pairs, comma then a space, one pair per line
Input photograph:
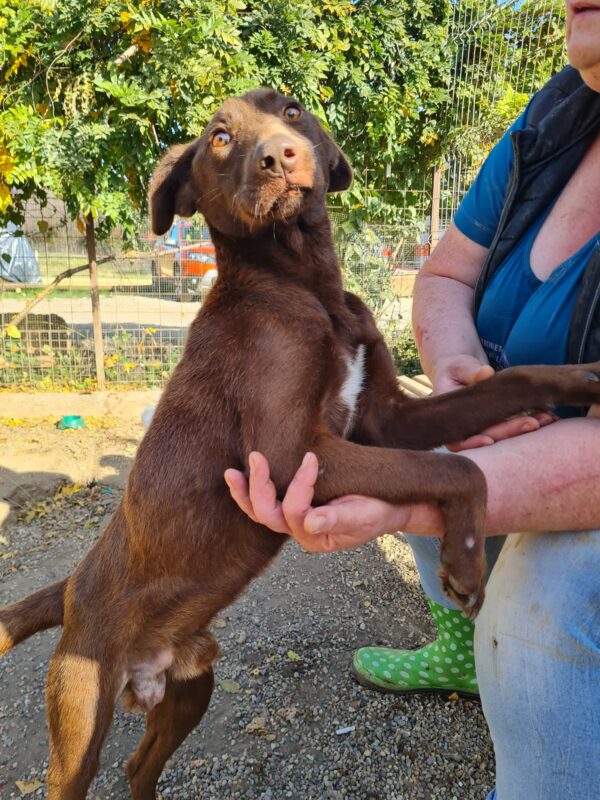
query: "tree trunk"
90, 236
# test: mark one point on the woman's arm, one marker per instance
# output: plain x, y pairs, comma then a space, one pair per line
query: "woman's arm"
449, 347
442, 310
546, 481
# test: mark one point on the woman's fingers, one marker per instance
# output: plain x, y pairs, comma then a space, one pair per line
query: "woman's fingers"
345, 522
239, 490
459, 372
263, 495
504, 430
257, 497
472, 443
482, 373
300, 493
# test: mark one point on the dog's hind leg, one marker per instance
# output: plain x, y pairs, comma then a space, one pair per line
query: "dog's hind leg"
167, 725
81, 696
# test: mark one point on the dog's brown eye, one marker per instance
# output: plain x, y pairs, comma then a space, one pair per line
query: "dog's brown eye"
220, 139
292, 113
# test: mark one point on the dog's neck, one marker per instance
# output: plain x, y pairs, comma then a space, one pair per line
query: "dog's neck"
300, 252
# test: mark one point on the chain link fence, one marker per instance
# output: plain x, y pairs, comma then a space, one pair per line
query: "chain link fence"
501, 53
150, 295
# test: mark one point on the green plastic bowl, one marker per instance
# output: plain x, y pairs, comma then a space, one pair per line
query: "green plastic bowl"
71, 422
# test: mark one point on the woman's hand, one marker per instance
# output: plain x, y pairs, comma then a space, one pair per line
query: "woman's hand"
346, 522
460, 371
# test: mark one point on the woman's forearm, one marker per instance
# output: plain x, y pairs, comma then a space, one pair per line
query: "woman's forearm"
548, 480
543, 481
443, 301
443, 322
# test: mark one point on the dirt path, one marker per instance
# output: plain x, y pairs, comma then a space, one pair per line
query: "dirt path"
284, 684
118, 308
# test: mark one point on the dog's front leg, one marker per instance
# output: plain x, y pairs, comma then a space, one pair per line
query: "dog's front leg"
451, 417
398, 476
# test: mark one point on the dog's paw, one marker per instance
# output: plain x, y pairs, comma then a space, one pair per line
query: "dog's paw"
579, 384
468, 599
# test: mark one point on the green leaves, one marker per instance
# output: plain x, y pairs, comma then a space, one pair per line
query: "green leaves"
93, 91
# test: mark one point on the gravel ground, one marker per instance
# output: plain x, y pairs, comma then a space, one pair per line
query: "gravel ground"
283, 681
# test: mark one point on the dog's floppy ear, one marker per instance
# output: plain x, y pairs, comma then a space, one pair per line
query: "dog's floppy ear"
172, 190
340, 171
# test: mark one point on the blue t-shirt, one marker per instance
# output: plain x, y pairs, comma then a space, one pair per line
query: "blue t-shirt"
479, 213
521, 319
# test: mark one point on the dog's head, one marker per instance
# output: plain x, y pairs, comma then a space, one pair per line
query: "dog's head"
262, 159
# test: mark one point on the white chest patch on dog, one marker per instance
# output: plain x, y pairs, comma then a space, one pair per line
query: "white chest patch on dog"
353, 384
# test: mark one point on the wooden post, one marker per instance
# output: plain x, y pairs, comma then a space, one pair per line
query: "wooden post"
436, 195
90, 237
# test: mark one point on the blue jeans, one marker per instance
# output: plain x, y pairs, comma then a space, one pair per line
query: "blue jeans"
537, 653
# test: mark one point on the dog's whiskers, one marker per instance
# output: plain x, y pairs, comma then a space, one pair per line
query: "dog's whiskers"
213, 193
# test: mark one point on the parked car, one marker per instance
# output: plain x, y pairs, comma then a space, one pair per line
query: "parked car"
185, 261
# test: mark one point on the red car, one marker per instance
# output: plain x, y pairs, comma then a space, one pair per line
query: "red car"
185, 262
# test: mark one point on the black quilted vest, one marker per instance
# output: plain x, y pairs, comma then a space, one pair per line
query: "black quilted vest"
563, 121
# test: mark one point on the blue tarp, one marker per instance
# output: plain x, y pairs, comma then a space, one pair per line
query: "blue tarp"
18, 262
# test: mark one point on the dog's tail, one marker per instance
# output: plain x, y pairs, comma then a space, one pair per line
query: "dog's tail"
38, 611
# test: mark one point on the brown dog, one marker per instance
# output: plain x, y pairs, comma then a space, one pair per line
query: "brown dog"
279, 359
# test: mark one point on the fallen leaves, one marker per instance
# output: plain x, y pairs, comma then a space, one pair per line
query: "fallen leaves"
258, 725
28, 787
229, 686
91, 499
67, 491
39, 510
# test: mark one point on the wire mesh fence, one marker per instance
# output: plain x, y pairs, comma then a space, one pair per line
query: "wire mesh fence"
150, 295
146, 305
501, 53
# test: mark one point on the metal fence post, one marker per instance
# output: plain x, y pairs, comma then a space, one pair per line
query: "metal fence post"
90, 237
436, 194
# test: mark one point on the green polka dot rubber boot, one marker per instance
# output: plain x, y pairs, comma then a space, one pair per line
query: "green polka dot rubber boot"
446, 665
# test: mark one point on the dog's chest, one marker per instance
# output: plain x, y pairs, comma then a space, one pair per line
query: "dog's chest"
345, 406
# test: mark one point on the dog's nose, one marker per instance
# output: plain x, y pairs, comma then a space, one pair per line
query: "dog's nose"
277, 155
